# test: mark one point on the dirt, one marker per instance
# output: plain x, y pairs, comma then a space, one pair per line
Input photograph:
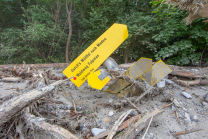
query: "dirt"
96, 109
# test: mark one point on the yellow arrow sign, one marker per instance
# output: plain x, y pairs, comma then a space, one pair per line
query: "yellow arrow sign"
96, 54
95, 82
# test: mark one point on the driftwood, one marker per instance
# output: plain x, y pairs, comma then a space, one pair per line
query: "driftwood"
38, 123
140, 124
9, 108
192, 82
52, 65
185, 132
186, 74
11, 79
118, 123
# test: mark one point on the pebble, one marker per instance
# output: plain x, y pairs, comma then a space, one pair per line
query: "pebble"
110, 113
98, 96
206, 97
161, 84
187, 118
169, 81
186, 95
96, 131
205, 104
106, 120
203, 88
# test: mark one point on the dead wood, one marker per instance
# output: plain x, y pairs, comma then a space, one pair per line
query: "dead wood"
147, 128
133, 105
185, 132
143, 94
187, 83
38, 123
140, 124
11, 79
121, 127
186, 74
10, 107
51, 65
118, 123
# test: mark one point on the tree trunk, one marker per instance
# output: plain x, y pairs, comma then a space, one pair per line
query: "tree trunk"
126, 55
70, 30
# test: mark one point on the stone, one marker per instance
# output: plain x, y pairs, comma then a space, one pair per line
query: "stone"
110, 113
98, 96
161, 84
169, 81
106, 120
96, 131
206, 97
186, 95
187, 118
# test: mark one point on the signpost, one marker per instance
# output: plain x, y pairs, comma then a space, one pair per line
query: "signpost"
96, 54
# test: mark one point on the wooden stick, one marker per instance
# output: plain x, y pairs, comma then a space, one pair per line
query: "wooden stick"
176, 113
147, 128
140, 124
40, 124
185, 132
123, 125
10, 107
133, 105
118, 123
143, 94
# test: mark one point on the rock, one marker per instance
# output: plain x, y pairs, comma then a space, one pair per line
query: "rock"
195, 117
134, 112
151, 135
98, 96
106, 120
186, 95
11, 79
206, 97
205, 104
203, 88
78, 108
110, 113
187, 118
169, 81
79, 127
161, 84
96, 131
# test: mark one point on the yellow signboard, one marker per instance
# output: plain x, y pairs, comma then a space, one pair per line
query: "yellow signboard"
95, 82
96, 54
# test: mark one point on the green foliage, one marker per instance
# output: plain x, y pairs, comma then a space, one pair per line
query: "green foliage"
30, 32
177, 43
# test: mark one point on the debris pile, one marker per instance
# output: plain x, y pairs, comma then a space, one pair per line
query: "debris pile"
40, 102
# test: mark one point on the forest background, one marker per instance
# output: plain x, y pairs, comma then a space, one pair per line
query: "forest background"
57, 31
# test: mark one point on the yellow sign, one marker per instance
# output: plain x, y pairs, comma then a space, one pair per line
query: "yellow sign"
95, 82
140, 67
96, 54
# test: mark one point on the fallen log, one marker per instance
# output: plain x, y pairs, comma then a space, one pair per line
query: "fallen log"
11, 79
9, 108
53, 130
187, 83
51, 65
193, 82
121, 127
140, 124
118, 123
186, 74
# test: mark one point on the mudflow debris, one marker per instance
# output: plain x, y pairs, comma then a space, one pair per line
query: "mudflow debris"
38, 101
